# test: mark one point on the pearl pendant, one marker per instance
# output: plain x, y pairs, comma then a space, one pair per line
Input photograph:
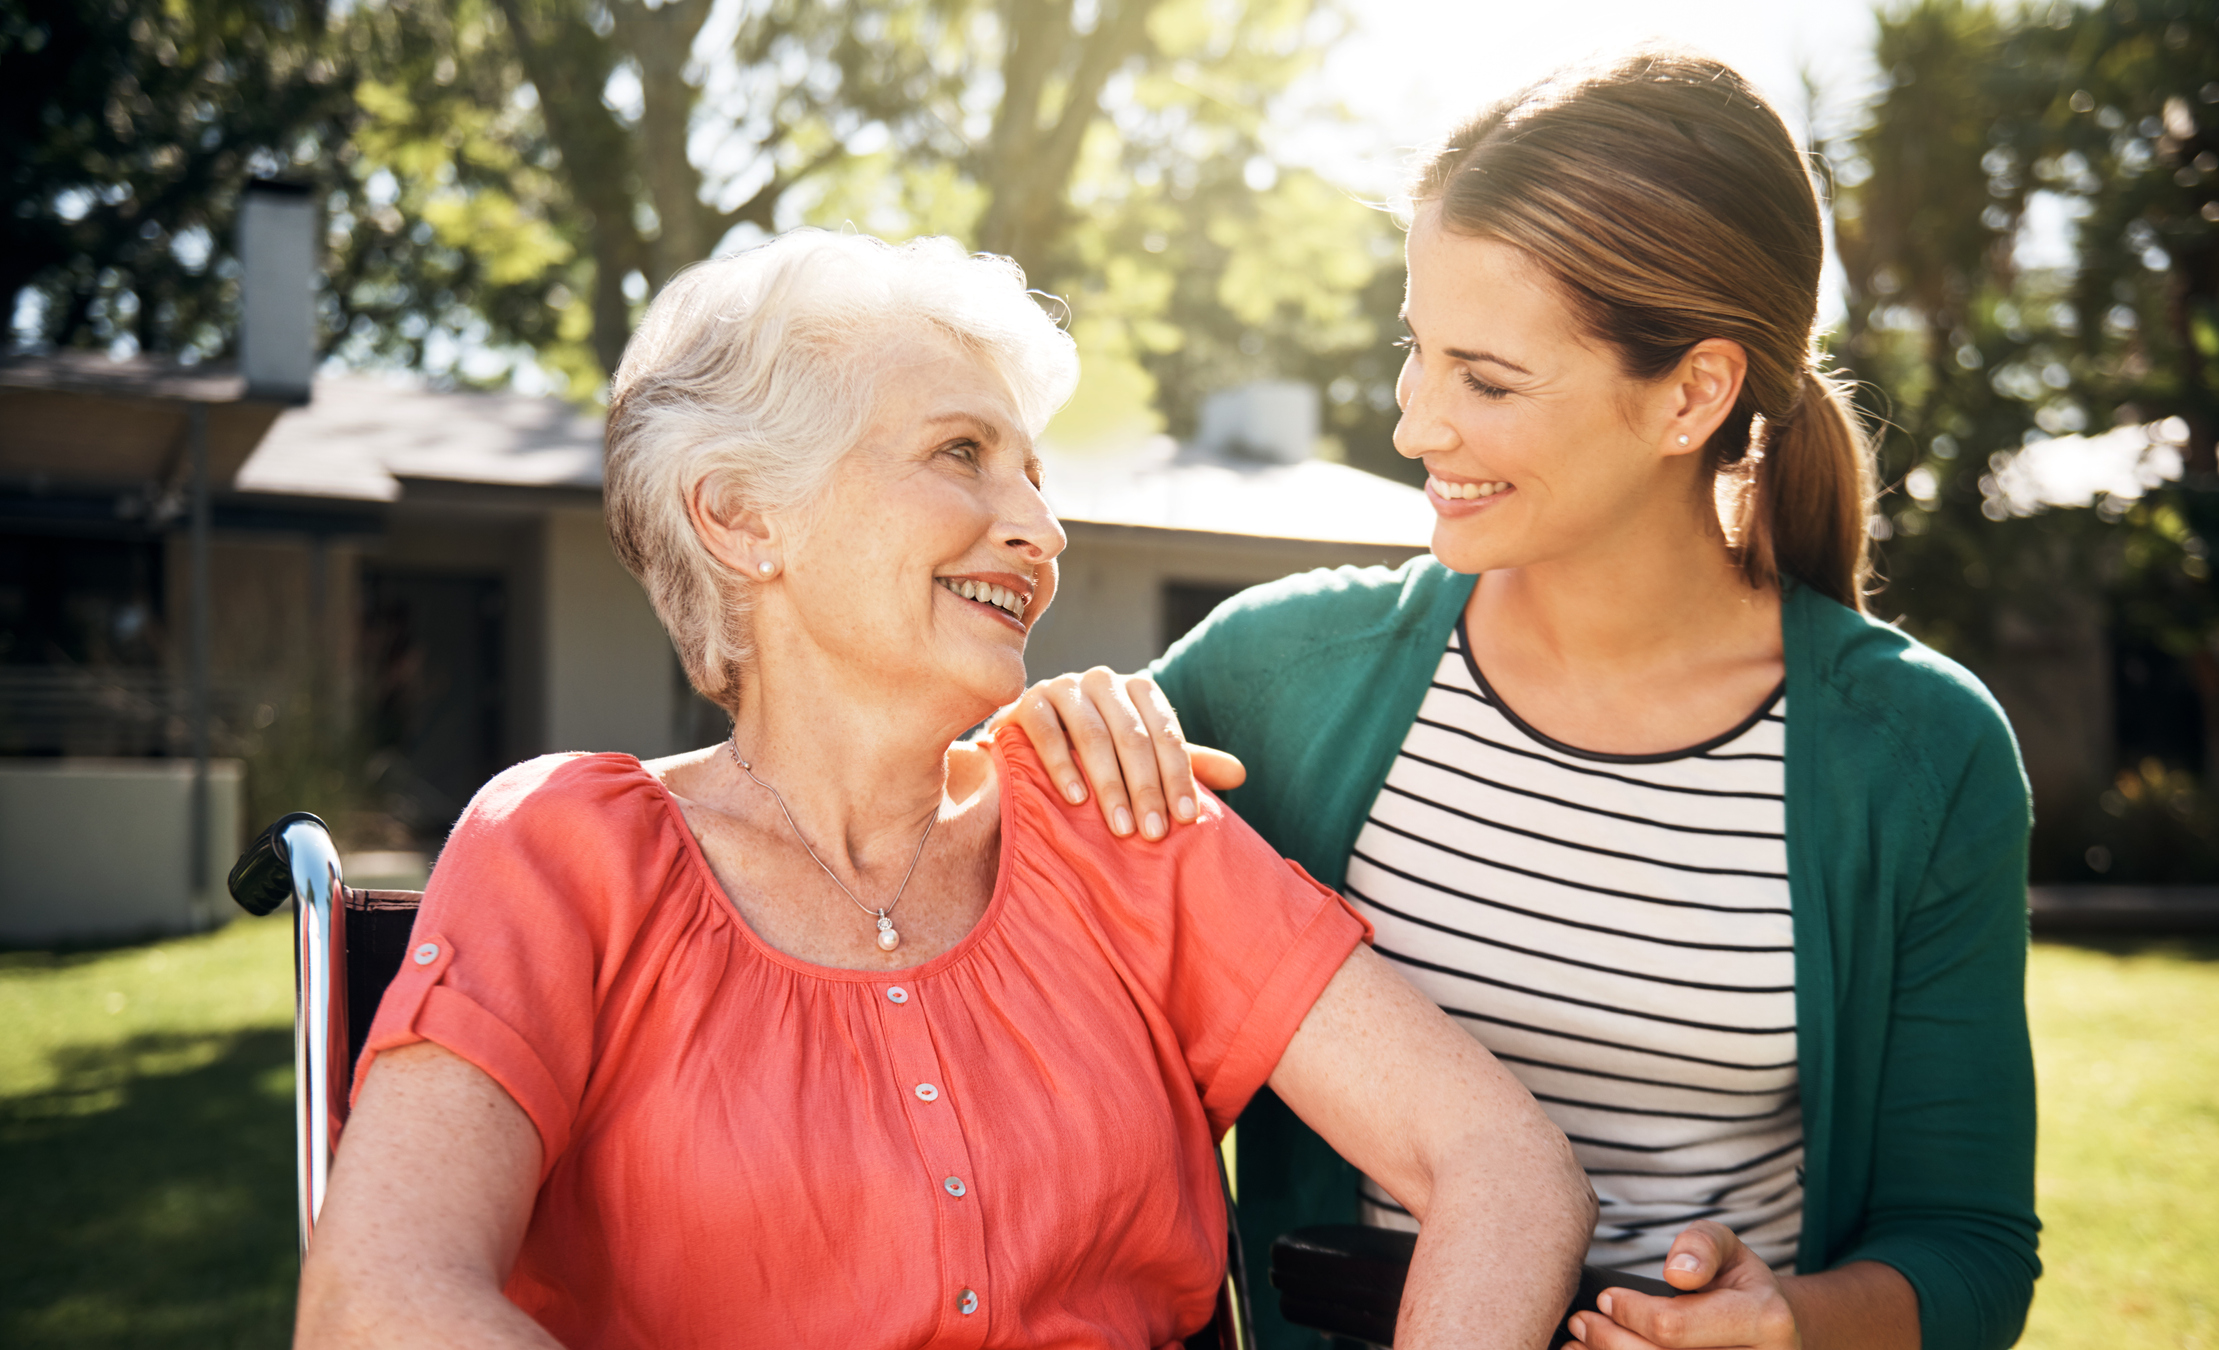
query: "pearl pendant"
888, 939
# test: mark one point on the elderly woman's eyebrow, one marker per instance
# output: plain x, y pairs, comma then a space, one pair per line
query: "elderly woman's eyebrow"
985, 428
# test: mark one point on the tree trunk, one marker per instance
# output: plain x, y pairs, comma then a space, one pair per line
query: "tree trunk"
661, 42
1030, 161
569, 64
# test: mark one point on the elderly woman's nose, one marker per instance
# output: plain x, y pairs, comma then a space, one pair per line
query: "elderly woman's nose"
1030, 528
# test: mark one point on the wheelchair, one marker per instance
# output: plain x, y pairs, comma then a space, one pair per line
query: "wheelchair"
1343, 1280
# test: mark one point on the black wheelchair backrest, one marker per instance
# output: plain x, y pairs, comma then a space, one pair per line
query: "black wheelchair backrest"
1346, 1280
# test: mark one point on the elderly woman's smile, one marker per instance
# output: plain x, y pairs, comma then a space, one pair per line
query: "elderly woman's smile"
1002, 594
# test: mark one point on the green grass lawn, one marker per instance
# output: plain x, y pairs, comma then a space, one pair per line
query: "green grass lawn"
2126, 1040
146, 1143
146, 1155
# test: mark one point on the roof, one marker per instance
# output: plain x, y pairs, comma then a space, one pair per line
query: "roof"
1160, 485
371, 439
364, 438
79, 419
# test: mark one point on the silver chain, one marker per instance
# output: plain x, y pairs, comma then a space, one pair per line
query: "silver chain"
880, 914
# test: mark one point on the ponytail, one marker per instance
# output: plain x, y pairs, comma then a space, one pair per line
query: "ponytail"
1804, 516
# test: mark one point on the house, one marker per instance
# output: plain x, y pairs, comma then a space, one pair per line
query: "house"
408, 590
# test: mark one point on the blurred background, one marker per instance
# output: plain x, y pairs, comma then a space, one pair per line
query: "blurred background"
311, 309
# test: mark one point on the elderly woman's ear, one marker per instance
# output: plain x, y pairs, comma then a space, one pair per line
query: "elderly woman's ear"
743, 539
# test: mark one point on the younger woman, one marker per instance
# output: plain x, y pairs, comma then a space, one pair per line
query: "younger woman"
1731, 875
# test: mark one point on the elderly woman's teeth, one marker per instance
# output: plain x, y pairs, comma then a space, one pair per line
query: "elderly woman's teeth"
1464, 491
1010, 602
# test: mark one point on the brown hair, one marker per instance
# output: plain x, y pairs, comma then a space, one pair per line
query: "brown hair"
1666, 198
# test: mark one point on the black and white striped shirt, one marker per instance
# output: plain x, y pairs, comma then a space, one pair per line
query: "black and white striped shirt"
1615, 929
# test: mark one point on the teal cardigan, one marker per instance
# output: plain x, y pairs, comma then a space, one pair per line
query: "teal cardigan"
1907, 821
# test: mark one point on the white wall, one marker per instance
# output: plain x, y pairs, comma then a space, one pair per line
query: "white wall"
1109, 593
606, 660
99, 849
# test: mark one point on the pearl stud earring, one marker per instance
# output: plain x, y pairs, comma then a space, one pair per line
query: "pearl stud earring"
766, 566
1683, 440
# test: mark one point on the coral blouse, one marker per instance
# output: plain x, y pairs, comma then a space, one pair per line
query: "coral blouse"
1009, 1145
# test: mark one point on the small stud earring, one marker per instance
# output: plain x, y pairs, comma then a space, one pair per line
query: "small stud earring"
766, 566
1683, 440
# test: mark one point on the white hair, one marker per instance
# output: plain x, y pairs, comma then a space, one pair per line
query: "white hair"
752, 375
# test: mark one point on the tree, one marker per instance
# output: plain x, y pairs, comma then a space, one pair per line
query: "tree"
126, 132
1997, 132
505, 182
540, 166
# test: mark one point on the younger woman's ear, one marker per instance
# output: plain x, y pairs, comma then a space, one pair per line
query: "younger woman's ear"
1704, 387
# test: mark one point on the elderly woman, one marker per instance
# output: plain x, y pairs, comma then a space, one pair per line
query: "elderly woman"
833, 1034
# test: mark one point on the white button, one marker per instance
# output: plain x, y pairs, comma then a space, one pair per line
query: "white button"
954, 1186
926, 1092
427, 953
968, 1303
897, 994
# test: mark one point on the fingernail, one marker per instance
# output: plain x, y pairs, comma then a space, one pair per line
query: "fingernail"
1686, 1261
1122, 823
1152, 826
1579, 1328
1602, 1305
1185, 808
1074, 793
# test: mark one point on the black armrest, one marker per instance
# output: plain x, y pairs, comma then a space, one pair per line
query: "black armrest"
1346, 1280
262, 879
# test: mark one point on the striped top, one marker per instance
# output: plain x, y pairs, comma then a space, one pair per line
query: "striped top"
1615, 929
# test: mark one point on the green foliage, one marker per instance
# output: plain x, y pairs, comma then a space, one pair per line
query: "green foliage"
127, 128
1995, 129
506, 181
450, 225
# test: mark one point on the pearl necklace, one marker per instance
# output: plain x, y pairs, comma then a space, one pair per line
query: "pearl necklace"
888, 938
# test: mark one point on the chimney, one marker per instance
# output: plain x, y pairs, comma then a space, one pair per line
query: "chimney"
1275, 421
277, 290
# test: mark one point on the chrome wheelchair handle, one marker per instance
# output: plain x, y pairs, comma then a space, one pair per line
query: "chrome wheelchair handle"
319, 1007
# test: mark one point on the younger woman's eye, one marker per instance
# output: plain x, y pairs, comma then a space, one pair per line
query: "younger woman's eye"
1482, 387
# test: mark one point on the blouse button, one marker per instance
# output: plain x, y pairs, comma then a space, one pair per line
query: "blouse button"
926, 1092
427, 953
968, 1303
897, 994
954, 1186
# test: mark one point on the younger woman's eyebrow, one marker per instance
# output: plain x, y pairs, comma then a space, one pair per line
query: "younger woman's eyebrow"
1466, 354
1462, 355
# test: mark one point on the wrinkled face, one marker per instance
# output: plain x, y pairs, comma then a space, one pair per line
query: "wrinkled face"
930, 552
1536, 445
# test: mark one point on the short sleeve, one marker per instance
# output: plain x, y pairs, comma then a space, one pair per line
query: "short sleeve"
541, 889
1230, 942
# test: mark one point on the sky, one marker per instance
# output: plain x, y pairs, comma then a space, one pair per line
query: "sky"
1413, 68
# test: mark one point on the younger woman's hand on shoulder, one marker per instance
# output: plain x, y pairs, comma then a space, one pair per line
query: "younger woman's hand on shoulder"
1119, 736
1734, 1300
